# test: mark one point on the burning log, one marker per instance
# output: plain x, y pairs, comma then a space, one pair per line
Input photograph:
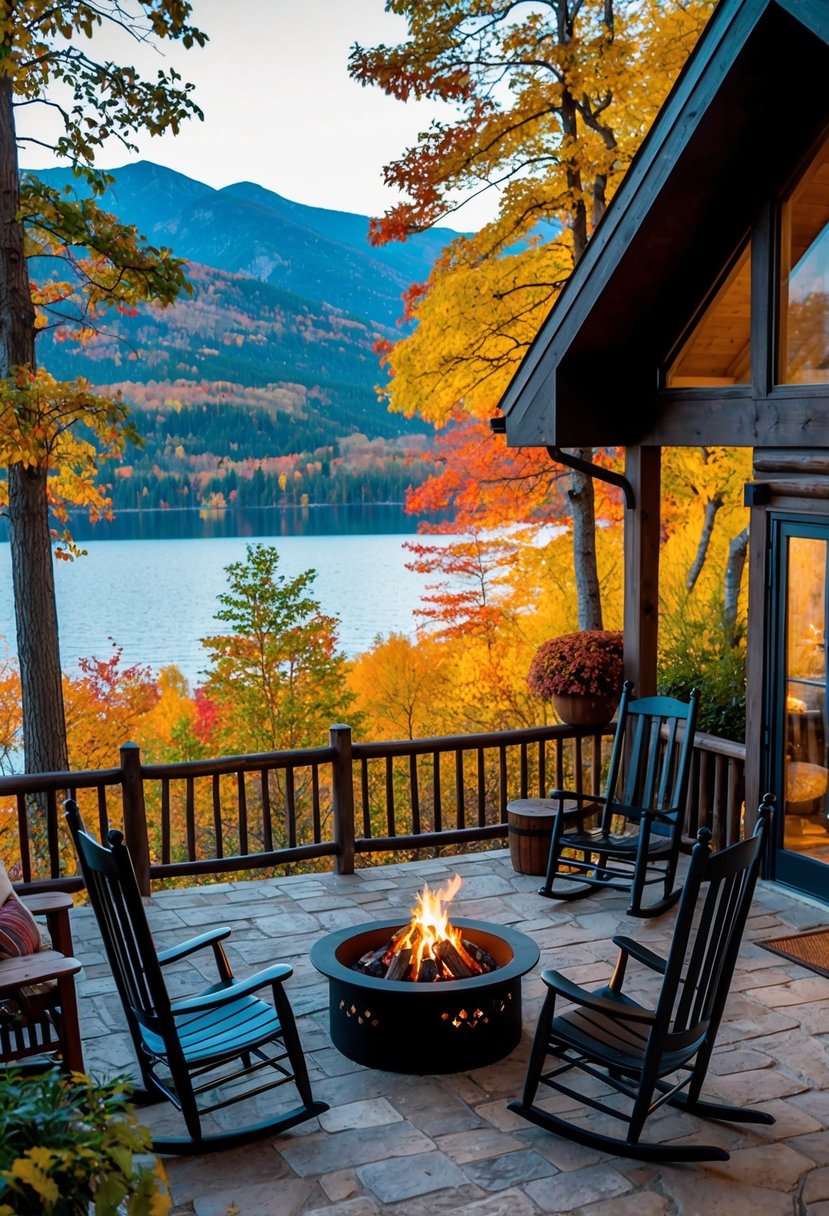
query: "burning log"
452, 959
428, 949
482, 958
428, 972
399, 965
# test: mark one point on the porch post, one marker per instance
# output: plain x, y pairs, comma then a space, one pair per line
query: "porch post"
757, 747
643, 468
342, 798
135, 814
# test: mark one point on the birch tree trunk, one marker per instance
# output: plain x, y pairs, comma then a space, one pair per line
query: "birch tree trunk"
44, 724
582, 504
737, 553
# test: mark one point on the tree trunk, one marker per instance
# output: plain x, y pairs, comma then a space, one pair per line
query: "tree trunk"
737, 552
44, 725
712, 506
582, 504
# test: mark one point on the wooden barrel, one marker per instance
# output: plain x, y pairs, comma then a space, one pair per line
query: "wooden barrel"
530, 823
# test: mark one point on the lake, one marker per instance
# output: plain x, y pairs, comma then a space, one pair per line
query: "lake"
151, 579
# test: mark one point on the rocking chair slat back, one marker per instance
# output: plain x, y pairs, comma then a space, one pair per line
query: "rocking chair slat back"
127, 939
652, 1053
714, 941
638, 840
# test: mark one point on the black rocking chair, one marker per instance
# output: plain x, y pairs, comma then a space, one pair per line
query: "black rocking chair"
201, 1045
640, 829
652, 1056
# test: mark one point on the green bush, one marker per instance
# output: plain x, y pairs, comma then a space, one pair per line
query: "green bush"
718, 671
71, 1145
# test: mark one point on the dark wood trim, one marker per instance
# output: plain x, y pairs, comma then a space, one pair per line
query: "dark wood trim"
814, 14
755, 658
763, 302
641, 545
772, 422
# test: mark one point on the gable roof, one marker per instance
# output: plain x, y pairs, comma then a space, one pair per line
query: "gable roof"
749, 104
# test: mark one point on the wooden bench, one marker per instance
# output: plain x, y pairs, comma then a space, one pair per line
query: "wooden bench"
60, 1009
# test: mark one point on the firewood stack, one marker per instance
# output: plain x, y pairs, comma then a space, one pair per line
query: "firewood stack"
445, 960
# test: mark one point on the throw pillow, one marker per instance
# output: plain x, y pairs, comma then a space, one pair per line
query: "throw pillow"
6, 888
19, 933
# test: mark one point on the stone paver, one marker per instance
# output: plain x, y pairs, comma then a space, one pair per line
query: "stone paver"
417, 1175
425, 1146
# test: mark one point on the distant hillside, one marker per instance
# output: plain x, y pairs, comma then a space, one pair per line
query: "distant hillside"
261, 387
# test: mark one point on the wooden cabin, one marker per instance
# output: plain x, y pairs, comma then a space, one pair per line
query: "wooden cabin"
700, 315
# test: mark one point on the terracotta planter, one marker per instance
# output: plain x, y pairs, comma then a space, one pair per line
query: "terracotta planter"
582, 709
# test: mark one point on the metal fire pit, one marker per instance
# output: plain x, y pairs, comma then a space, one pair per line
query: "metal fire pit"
401, 1026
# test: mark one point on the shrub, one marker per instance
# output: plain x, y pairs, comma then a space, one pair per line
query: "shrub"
589, 662
70, 1145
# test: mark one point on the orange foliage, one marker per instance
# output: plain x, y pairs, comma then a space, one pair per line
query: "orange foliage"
105, 706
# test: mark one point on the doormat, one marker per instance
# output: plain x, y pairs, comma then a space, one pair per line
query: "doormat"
810, 948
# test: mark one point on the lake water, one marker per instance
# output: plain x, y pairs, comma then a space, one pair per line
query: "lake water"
151, 579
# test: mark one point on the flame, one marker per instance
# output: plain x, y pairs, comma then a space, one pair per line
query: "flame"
430, 923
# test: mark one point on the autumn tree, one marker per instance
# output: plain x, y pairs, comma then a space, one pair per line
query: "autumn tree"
107, 702
402, 688
276, 676
52, 435
549, 101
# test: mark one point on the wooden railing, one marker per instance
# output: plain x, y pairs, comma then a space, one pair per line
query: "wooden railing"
717, 790
349, 801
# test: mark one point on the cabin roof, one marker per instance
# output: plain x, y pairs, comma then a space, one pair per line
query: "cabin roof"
745, 111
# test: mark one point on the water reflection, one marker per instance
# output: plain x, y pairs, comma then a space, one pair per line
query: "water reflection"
186, 524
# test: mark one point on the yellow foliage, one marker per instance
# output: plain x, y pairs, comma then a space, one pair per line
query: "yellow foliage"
401, 687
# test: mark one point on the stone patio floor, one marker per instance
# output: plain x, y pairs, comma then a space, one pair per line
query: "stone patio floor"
421, 1146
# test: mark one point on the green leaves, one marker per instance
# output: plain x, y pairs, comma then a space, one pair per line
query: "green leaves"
277, 678
66, 1142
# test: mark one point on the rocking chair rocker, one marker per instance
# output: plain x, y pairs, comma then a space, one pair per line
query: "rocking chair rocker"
640, 830
652, 1056
194, 1046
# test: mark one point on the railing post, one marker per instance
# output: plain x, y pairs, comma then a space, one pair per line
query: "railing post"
343, 797
135, 814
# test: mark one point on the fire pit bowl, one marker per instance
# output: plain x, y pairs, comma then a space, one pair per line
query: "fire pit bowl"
400, 1026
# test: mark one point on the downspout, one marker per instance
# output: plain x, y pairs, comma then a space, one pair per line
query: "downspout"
594, 470
498, 426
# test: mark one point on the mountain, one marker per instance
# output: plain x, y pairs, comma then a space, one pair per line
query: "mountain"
246, 229
261, 386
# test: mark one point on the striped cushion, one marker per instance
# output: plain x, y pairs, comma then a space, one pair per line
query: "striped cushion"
19, 933
5, 885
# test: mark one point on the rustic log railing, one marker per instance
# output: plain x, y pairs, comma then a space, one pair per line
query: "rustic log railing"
348, 801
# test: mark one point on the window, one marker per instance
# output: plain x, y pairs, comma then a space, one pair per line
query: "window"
804, 278
718, 350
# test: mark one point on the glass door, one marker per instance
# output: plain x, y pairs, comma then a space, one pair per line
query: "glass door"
797, 737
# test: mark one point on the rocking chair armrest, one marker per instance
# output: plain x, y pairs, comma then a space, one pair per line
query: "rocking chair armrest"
573, 796
594, 1000
643, 814
641, 953
174, 953
662, 814
225, 993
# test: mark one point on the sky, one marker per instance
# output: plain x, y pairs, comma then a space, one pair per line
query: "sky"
279, 106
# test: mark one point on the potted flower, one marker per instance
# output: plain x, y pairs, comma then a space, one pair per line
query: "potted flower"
581, 673
72, 1145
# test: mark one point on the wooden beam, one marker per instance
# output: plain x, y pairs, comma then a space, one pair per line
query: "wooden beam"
789, 417
756, 748
642, 533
